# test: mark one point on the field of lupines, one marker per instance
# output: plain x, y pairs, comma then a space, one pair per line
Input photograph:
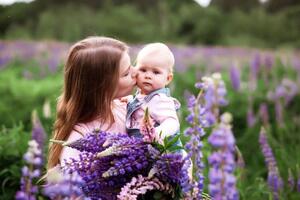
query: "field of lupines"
250, 153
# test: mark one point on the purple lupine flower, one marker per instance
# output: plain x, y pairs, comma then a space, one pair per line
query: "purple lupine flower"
140, 185
95, 142
196, 119
263, 112
38, 132
235, 77
280, 91
214, 96
4, 61
185, 184
298, 183
268, 64
279, 112
62, 185
266, 150
274, 180
296, 63
291, 180
291, 89
251, 119
204, 111
215, 93
53, 62
282, 96
221, 174
168, 168
276, 184
285, 91
254, 70
269, 61
30, 172
255, 65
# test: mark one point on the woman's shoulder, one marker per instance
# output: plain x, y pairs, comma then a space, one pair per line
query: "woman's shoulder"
83, 128
68, 152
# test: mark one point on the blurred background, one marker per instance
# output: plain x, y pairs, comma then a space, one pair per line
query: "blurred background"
253, 44
258, 23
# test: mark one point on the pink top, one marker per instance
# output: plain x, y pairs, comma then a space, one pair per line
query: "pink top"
162, 109
119, 112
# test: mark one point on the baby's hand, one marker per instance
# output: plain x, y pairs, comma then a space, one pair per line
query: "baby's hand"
124, 99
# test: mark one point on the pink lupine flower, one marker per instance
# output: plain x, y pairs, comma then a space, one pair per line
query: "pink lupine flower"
147, 128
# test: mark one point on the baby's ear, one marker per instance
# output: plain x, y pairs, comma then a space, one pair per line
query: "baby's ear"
169, 78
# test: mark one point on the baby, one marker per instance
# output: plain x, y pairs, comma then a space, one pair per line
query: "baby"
154, 72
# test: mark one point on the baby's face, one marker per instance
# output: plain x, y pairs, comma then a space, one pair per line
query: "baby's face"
152, 75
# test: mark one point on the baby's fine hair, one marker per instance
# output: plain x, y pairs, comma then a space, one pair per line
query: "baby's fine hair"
155, 51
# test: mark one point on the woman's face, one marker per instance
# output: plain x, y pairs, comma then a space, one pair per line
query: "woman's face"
127, 77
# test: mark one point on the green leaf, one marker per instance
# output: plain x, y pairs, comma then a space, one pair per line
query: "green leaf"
165, 140
160, 147
174, 148
171, 142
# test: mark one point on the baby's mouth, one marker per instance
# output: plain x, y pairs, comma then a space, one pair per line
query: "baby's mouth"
146, 84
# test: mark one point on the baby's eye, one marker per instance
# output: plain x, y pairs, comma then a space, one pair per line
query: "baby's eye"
156, 72
142, 70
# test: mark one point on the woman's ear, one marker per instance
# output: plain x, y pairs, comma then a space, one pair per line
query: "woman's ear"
169, 78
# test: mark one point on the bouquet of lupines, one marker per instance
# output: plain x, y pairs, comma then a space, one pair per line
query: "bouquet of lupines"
118, 166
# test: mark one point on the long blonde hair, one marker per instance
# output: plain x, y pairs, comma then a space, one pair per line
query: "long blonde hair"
91, 75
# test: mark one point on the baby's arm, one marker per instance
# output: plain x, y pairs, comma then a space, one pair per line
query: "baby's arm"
162, 110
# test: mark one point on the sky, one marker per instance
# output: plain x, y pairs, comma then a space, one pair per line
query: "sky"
203, 3
9, 2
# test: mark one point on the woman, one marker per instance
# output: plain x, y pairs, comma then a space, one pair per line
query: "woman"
97, 72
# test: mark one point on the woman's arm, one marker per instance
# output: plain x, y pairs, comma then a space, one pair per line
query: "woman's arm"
68, 152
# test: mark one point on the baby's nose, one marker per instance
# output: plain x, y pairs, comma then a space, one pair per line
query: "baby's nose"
147, 75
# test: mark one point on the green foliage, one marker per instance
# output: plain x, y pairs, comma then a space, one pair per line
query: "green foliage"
13, 144
257, 28
206, 29
65, 23
128, 23
176, 21
20, 95
124, 22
